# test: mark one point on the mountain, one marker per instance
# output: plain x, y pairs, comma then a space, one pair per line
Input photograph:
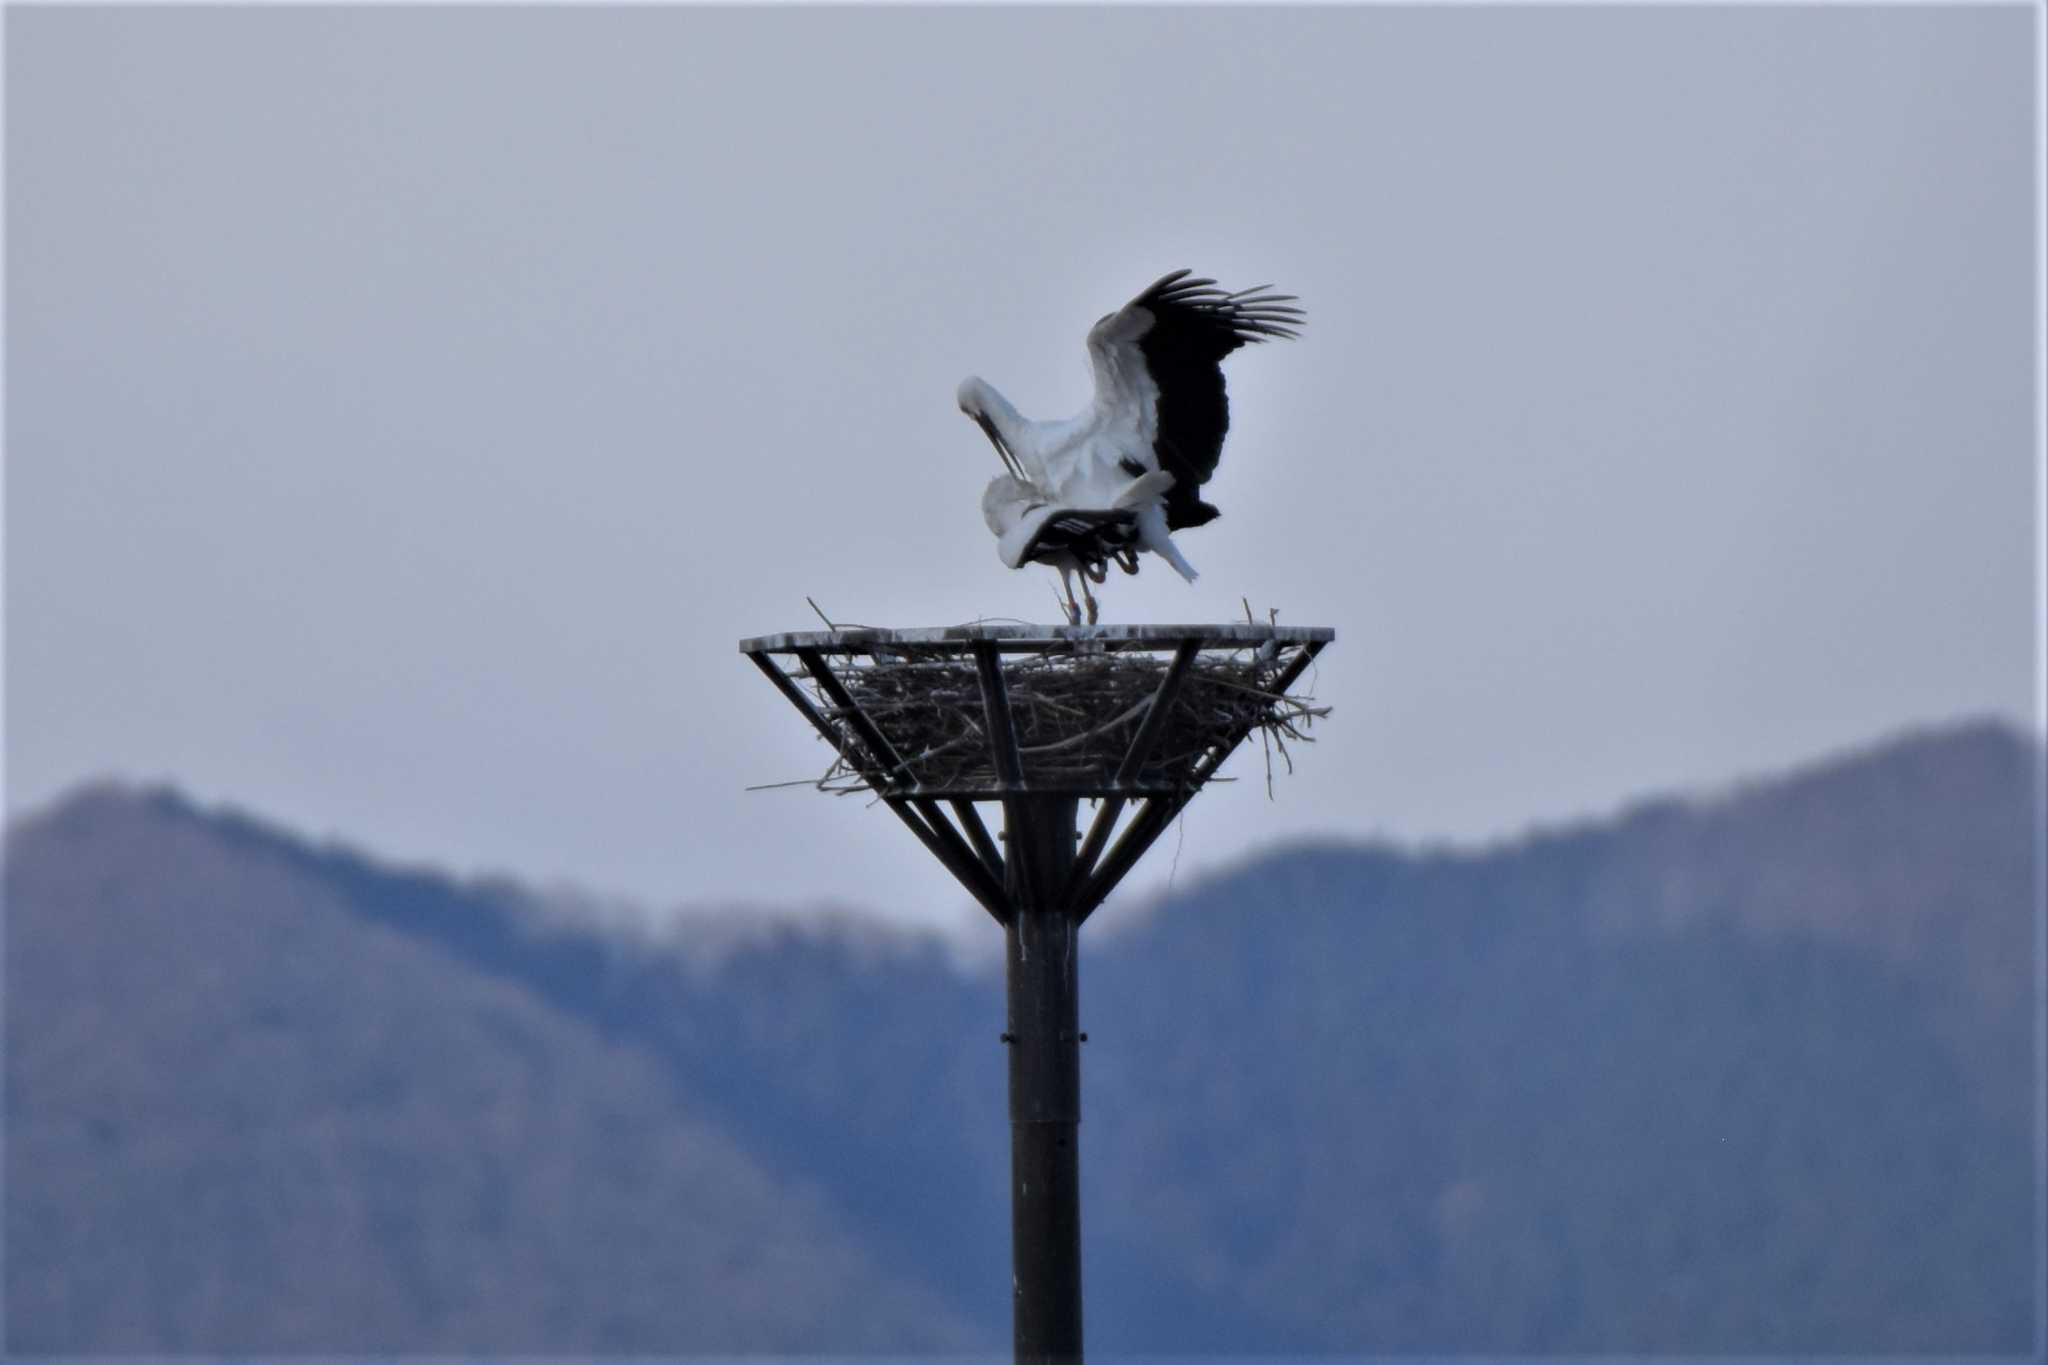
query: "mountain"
248, 1114
1749, 1073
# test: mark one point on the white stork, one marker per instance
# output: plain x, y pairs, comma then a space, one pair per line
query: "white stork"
1127, 472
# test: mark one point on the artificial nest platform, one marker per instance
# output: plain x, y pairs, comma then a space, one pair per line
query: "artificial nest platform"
921, 713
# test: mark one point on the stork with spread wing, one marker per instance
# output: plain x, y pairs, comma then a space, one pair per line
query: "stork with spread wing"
1127, 473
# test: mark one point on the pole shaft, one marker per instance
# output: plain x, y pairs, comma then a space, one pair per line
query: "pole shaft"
1042, 940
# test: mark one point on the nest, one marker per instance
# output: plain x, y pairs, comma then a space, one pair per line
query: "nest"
1075, 714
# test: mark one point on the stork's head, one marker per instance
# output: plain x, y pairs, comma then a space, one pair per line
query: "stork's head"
970, 396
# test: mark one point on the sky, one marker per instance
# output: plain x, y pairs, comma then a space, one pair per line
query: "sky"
408, 410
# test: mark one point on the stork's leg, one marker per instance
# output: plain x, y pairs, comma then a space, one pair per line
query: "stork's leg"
1073, 607
1089, 598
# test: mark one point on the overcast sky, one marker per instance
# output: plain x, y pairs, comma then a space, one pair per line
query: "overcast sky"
408, 410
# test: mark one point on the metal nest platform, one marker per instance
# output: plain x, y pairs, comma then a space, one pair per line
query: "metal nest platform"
1040, 717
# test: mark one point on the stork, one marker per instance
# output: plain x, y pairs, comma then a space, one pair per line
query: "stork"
1127, 473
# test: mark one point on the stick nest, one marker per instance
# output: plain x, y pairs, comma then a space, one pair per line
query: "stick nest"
1075, 715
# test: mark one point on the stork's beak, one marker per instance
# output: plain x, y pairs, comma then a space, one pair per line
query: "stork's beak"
995, 439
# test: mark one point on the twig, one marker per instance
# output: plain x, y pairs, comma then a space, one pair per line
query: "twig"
1127, 713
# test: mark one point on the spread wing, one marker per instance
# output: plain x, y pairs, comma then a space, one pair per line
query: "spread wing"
1164, 351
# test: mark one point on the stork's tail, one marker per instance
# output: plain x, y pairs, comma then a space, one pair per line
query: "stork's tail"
1145, 488
1152, 534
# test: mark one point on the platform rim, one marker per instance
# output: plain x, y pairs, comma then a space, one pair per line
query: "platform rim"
1021, 636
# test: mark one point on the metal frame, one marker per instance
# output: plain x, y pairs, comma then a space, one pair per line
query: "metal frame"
1040, 890
965, 849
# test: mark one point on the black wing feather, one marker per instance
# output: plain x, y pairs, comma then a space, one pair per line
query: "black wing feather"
1194, 325
1090, 535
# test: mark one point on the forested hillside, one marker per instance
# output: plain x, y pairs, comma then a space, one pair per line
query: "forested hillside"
1750, 1074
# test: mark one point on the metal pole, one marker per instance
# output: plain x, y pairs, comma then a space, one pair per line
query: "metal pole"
1045, 1081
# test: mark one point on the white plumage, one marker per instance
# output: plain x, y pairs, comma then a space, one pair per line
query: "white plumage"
1124, 475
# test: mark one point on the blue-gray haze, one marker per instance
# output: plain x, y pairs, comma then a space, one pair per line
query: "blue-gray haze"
408, 409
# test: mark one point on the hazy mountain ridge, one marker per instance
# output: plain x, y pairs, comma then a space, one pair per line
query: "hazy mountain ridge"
1718, 1018
1747, 1073
323, 1137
